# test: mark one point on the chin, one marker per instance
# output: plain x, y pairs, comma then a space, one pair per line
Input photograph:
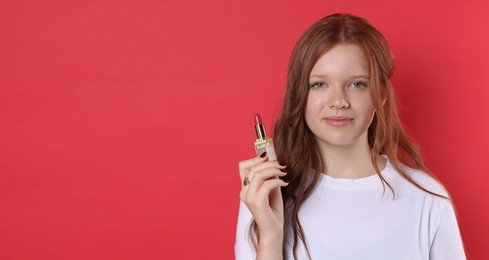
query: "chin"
337, 142
340, 140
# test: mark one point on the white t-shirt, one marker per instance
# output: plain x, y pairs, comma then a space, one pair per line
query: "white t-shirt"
350, 219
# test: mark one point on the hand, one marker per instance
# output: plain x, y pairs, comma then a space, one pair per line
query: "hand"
262, 195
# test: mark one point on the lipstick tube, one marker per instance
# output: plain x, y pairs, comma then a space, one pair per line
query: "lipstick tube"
263, 143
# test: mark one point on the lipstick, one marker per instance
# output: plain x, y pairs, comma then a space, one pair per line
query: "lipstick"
263, 143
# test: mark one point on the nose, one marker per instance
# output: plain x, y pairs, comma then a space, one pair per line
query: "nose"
339, 99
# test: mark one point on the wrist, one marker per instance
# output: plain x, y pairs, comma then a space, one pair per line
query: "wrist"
271, 239
270, 247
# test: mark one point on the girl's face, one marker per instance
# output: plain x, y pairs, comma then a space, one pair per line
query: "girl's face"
339, 109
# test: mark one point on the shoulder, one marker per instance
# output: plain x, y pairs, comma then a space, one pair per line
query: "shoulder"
425, 180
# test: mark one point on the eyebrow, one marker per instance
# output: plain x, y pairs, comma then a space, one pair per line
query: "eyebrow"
352, 77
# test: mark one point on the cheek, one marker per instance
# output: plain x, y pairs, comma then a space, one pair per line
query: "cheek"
369, 113
313, 106
308, 113
310, 110
315, 101
365, 106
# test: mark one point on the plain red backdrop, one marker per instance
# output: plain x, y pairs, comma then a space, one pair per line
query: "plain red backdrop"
122, 122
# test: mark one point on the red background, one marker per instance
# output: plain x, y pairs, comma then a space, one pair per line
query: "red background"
122, 122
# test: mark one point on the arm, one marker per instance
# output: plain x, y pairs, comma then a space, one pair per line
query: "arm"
270, 245
243, 248
261, 201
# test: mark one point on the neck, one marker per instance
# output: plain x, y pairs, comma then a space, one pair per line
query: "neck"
349, 162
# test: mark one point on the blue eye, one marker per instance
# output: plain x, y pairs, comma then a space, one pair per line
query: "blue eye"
358, 84
317, 85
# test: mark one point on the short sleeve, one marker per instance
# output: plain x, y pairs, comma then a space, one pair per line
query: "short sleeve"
447, 242
243, 248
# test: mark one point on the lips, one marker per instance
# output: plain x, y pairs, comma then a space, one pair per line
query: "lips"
338, 121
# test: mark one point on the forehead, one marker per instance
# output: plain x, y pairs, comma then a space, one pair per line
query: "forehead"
343, 59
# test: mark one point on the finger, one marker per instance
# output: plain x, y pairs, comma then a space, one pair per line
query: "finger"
261, 197
245, 165
258, 178
260, 167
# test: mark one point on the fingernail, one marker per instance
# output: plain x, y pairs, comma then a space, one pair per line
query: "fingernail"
283, 170
263, 154
282, 163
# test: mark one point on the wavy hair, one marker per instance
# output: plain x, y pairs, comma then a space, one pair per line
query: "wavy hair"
295, 144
